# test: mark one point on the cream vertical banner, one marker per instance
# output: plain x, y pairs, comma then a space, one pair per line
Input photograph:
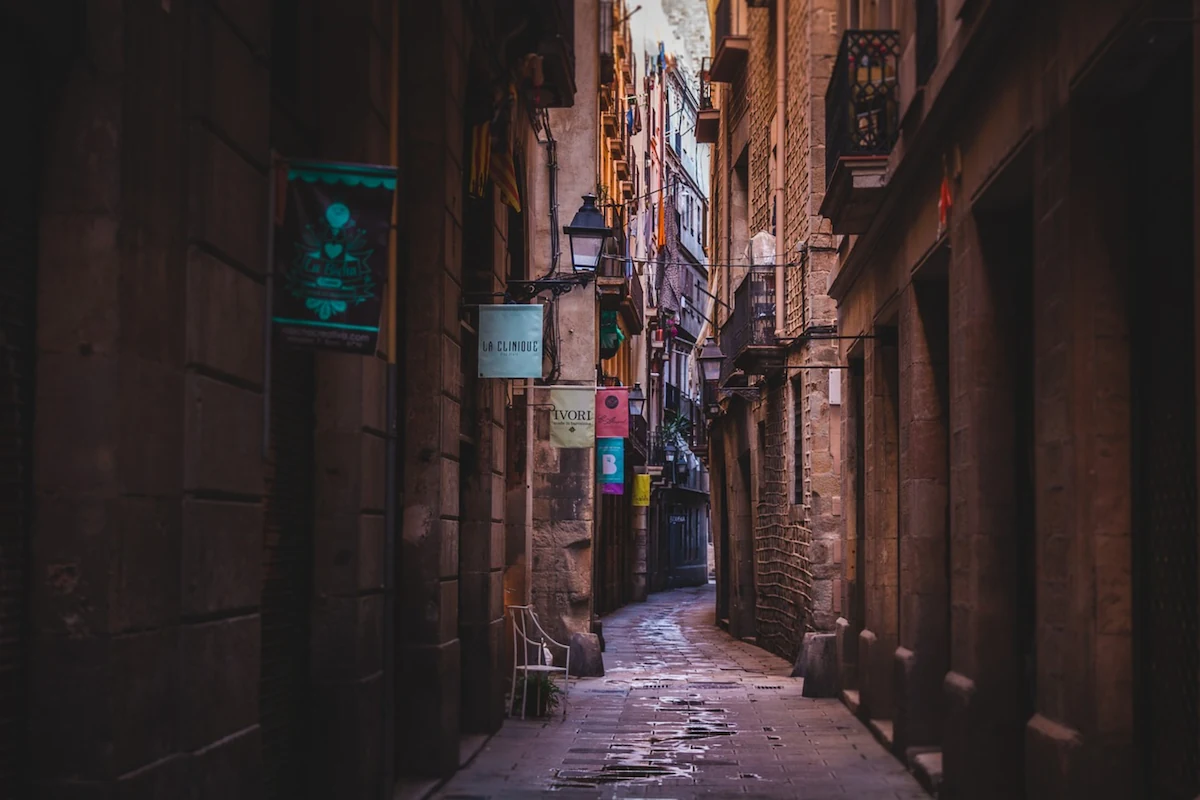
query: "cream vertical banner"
572, 416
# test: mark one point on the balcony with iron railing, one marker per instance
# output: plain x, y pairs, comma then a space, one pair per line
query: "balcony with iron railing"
732, 43
748, 335
862, 124
620, 287
708, 119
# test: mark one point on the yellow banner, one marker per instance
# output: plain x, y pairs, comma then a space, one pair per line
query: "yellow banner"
641, 490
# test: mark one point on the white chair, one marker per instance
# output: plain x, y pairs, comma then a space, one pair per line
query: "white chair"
532, 654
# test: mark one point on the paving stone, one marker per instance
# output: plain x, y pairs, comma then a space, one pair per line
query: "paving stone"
683, 712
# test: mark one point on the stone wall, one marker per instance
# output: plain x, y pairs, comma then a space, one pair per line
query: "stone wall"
1017, 611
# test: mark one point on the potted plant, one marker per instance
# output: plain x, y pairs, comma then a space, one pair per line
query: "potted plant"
538, 694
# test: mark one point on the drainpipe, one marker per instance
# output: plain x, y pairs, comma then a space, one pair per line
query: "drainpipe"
780, 150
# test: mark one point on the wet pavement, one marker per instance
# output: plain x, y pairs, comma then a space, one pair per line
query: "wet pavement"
683, 711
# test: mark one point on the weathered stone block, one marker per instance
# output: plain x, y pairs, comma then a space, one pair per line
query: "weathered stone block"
346, 635
429, 688
78, 300
817, 664
144, 583
71, 567
72, 733
77, 401
222, 546
229, 88
347, 724
1053, 752
222, 445
144, 679
371, 565
228, 196
232, 769
372, 486
586, 658
219, 677
337, 486
150, 446
224, 318
165, 778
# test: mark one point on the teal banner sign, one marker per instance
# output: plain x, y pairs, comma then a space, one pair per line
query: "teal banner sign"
510, 341
331, 255
610, 452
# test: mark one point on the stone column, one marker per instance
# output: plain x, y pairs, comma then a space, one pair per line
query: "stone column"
640, 554
922, 658
877, 640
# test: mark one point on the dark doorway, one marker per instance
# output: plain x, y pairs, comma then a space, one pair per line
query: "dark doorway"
1167, 625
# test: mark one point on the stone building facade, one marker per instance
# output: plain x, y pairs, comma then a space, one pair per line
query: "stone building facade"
1020, 432
189, 607
776, 441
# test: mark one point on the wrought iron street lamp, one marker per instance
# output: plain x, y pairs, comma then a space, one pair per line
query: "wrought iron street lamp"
710, 359
587, 233
637, 400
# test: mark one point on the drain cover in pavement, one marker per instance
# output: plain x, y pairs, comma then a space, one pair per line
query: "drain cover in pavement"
704, 685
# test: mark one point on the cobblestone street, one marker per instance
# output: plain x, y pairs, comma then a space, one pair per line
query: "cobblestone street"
685, 711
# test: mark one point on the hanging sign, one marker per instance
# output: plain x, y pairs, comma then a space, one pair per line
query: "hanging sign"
611, 455
510, 341
572, 417
612, 412
641, 490
331, 255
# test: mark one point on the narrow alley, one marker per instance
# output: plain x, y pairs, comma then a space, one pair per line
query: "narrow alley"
685, 710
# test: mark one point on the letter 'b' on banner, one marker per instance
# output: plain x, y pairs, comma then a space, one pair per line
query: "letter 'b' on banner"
611, 465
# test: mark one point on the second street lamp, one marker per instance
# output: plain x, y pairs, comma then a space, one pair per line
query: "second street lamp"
637, 400
587, 233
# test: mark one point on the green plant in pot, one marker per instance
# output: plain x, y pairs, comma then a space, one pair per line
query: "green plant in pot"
538, 694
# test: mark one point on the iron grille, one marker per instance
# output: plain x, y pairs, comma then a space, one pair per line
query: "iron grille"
862, 104
705, 84
1165, 472
752, 320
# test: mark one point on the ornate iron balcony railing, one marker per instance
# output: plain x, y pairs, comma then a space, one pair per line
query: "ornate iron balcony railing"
752, 320
862, 104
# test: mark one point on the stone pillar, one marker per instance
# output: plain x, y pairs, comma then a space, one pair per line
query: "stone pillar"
429, 671
351, 418
640, 554
1080, 741
877, 641
922, 658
